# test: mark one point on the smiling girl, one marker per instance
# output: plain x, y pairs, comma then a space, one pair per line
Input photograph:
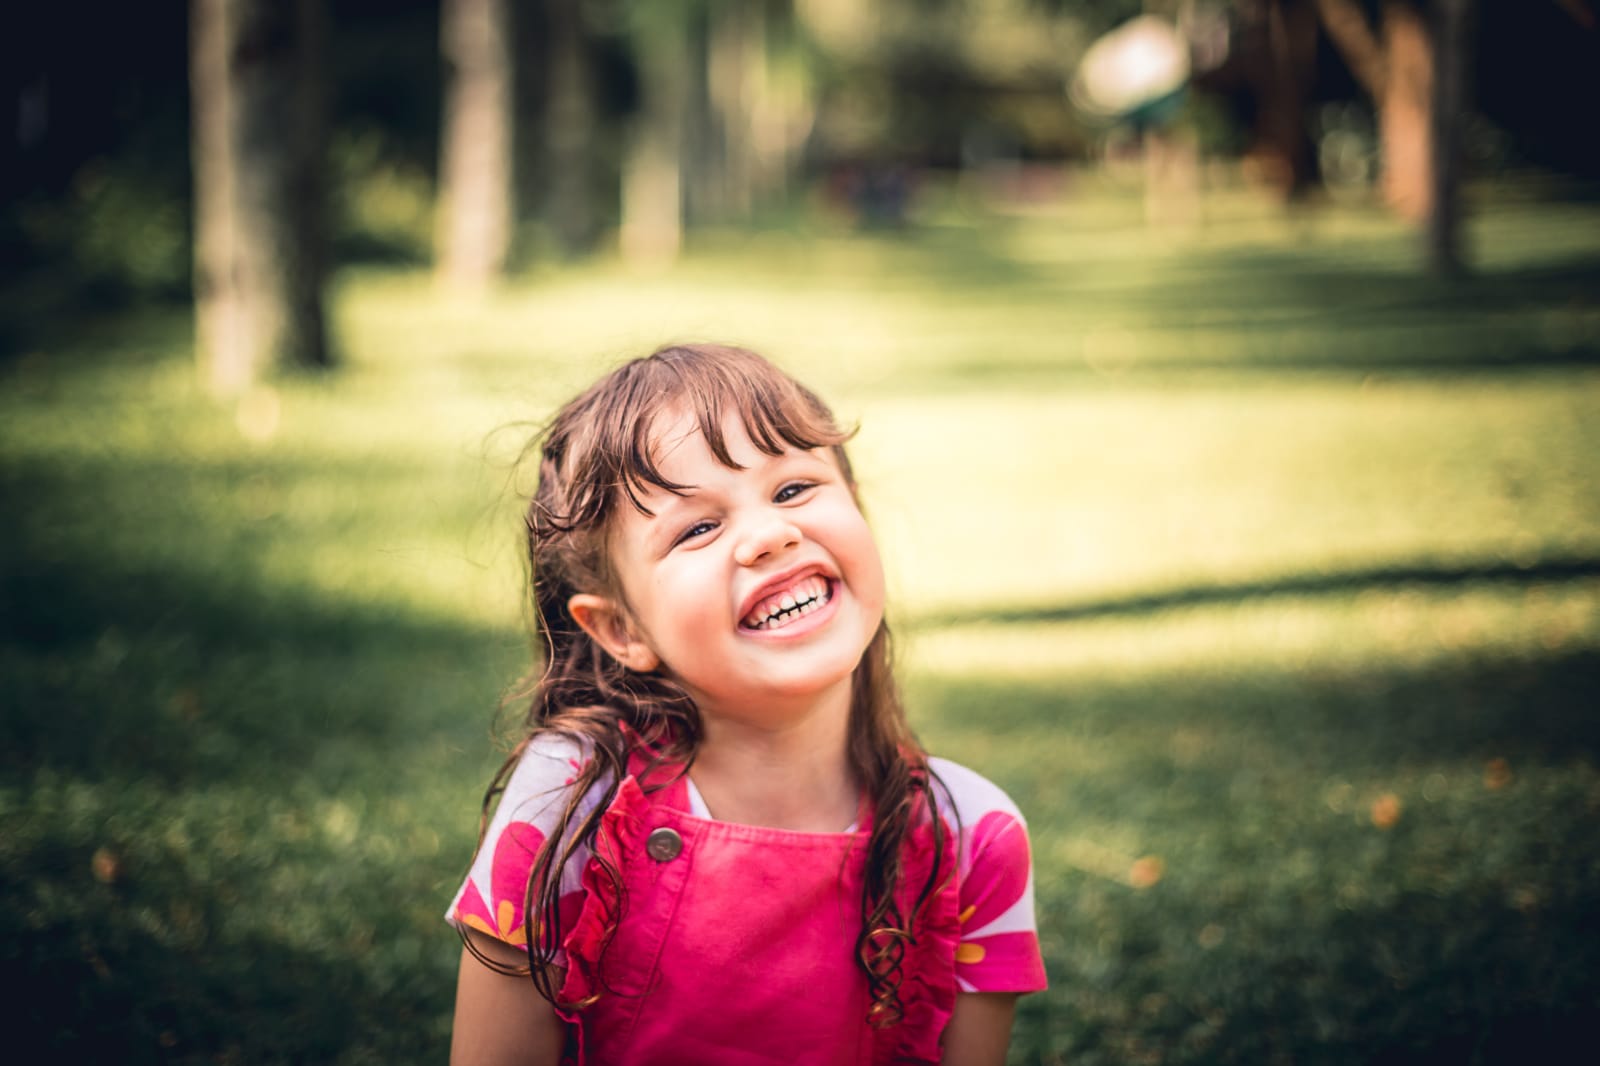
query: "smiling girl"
719, 841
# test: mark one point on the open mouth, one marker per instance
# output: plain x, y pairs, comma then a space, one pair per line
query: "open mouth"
789, 605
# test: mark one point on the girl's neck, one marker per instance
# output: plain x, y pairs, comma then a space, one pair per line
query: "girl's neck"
794, 775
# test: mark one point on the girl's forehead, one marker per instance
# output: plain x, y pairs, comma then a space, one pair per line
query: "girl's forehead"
671, 430
677, 439
680, 453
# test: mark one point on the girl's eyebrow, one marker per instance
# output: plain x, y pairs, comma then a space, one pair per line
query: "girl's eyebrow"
660, 530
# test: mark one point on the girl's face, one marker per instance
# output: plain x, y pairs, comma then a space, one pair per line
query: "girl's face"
757, 590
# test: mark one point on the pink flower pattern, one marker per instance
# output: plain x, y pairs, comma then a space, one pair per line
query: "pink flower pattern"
999, 949
500, 916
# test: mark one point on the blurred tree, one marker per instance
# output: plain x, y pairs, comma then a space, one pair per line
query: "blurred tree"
908, 84
716, 140
654, 149
257, 146
1414, 67
736, 67
570, 117
1445, 146
475, 180
1282, 71
761, 95
728, 86
1394, 63
705, 132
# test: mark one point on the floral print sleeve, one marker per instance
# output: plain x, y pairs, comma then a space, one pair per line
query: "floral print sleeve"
999, 947
491, 900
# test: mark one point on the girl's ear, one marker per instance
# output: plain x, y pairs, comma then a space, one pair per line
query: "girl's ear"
605, 621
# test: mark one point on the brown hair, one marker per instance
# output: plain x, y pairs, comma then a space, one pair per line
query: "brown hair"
596, 457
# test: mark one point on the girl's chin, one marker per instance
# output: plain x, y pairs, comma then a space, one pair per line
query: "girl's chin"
813, 685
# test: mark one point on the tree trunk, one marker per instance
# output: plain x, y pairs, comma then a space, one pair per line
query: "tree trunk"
779, 101
1347, 27
1449, 108
569, 125
1418, 77
1404, 115
704, 159
257, 146
734, 63
652, 173
1290, 71
475, 200
1398, 73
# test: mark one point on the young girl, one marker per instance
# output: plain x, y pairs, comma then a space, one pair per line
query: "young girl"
719, 842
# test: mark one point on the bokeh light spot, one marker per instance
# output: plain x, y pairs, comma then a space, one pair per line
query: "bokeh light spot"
1386, 810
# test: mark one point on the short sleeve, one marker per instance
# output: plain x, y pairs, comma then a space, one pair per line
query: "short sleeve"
493, 897
999, 945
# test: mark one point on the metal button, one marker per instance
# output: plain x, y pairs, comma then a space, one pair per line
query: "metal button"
663, 845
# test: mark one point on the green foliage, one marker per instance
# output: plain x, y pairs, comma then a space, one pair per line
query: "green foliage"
382, 206
1264, 574
116, 231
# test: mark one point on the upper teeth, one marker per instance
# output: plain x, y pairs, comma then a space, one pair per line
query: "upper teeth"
801, 598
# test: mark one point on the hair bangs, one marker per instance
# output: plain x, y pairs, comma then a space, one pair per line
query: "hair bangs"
709, 384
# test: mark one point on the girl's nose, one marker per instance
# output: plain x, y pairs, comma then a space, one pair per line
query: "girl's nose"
767, 536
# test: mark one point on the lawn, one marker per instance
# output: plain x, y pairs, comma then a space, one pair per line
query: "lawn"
1261, 570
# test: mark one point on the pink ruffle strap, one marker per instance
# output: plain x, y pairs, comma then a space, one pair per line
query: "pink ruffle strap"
621, 832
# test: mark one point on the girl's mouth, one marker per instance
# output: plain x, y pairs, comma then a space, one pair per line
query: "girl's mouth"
809, 594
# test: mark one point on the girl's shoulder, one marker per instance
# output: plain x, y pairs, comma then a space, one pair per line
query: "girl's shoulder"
532, 806
543, 777
968, 795
999, 948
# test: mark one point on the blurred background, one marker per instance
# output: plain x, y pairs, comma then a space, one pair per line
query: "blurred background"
1226, 375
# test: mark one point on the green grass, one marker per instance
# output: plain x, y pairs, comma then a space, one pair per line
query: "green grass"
1262, 571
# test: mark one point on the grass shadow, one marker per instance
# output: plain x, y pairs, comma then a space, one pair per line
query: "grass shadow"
153, 968
1419, 574
1336, 875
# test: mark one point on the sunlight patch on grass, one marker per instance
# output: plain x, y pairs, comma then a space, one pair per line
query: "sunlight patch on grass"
1057, 498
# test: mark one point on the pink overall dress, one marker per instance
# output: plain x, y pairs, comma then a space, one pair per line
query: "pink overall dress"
736, 944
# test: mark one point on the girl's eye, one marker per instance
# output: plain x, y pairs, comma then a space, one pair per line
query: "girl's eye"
696, 530
791, 490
